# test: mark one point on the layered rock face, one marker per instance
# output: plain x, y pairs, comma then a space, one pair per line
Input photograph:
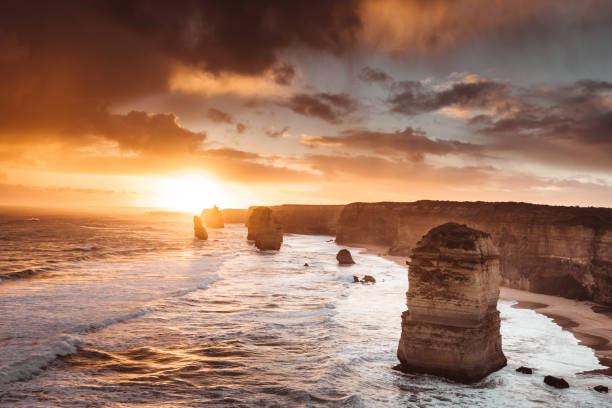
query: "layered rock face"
307, 219
563, 251
213, 217
198, 229
451, 327
265, 229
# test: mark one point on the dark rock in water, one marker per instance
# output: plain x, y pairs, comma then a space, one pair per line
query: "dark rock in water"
213, 217
306, 264
398, 367
355, 279
265, 229
524, 370
198, 229
368, 279
451, 327
344, 257
556, 382
601, 388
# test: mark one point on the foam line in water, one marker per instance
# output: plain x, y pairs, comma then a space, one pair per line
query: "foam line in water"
201, 286
34, 364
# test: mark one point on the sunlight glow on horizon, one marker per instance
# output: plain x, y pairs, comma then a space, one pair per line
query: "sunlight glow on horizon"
190, 193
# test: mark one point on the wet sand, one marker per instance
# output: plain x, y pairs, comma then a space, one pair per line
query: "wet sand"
589, 322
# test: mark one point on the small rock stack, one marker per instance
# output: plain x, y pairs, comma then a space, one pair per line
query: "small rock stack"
198, 229
265, 229
213, 217
451, 327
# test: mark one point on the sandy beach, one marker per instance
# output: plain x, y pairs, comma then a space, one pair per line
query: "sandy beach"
589, 322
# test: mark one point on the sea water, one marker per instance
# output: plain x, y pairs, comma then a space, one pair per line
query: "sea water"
134, 312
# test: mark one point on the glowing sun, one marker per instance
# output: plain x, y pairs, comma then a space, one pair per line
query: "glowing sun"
188, 193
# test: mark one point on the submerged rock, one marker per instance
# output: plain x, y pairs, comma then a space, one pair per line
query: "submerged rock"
344, 257
213, 217
556, 382
601, 388
451, 327
265, 229
198, 229
524, 370
368, 279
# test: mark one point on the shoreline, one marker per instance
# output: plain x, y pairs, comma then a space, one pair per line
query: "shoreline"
591, 328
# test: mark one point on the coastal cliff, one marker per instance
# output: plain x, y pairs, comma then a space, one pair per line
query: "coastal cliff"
234, 216
451, 327
555, 250
306, 219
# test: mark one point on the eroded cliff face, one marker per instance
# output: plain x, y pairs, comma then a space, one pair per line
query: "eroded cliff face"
234, 215
564, 251
265, 229
306, 219
451, 327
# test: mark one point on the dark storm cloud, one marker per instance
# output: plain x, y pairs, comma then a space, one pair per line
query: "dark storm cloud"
332, 108
409, 142
580, 113
412, 98
148, 133
283, 74
219, 116
372, 75
63, 64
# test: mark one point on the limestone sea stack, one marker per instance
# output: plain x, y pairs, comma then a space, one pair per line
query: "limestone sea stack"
451, 327
198, 229
265, 229
213, 217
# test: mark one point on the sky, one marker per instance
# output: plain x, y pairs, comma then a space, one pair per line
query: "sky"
182, 106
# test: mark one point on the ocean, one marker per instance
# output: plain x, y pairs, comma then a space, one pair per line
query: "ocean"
132, 311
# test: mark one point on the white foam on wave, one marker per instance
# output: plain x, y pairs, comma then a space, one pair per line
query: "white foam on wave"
209, 280
34, 364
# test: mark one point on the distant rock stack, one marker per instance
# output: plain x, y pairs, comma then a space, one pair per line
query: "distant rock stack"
213, 217
451, 327
265, 229
198, 229
344, 257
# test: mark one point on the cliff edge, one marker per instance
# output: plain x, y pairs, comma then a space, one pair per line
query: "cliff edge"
555, 250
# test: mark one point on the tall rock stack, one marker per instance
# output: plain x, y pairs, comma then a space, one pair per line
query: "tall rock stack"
451, 327
265, 229
198, 229
213, 217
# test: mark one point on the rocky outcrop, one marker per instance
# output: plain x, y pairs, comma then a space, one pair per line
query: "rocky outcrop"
524, 370
306, 219
601, 388
451, 327
213, 217
564, 251
198, 229
265, 229
556, 382
344, 257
